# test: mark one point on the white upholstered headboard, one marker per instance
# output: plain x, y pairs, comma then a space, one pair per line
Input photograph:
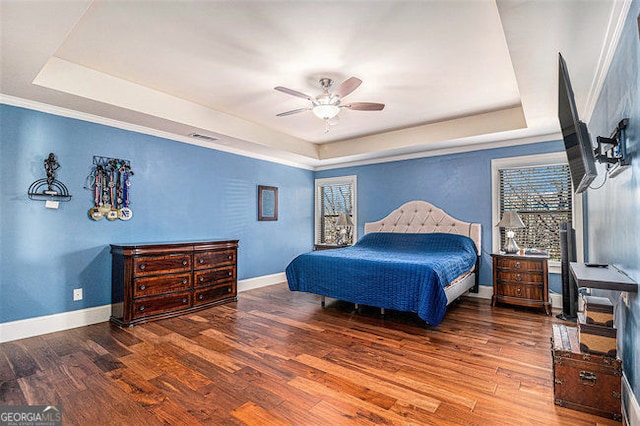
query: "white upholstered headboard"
421, 217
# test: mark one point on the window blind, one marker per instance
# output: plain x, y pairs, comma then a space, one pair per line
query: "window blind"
542, 197
332, 199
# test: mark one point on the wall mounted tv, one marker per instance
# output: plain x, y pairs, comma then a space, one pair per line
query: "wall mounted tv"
577, 142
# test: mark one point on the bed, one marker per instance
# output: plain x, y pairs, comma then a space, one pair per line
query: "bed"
417, 259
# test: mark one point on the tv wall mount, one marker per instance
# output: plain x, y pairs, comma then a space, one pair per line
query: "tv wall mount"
612, 151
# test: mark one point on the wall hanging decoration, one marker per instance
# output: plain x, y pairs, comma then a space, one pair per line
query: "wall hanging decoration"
267, 203
49, 189
110, 182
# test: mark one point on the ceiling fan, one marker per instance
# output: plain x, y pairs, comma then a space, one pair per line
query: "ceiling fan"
327, 105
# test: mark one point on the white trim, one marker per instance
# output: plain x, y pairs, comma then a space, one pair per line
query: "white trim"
486, 292
351, 179
30, 327
630, 406
37, 326
263, 281
506, 143
77, 115
558, 157
617, 18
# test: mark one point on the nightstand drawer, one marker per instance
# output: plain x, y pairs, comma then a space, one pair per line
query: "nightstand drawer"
519, 277
522, 291
513, 264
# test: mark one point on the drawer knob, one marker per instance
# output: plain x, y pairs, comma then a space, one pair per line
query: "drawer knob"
184, 300
200, 297
518, 277
201, 279
201, 261
142, 287
229, 290
184, 262
142, 308
519, 291
230, 273
517, 265
230, 257
143, 266
184, 281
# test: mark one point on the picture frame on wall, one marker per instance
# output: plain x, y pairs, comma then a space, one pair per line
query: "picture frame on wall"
267, 202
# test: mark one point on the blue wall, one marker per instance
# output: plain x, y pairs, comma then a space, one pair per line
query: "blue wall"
614, 210
179, 192
460, 184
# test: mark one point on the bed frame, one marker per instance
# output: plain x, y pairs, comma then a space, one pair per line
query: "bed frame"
421, 217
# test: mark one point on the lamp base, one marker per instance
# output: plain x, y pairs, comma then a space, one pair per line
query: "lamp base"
511, 247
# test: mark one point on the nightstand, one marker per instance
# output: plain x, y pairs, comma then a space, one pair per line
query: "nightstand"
521, 280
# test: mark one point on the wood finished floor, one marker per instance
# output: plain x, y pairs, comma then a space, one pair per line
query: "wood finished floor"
277, 358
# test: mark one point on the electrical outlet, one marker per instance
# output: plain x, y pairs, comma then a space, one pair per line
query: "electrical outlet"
77, 294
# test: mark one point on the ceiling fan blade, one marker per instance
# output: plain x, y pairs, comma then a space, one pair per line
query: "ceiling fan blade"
365, 106
292, 92
293, 111
348, 86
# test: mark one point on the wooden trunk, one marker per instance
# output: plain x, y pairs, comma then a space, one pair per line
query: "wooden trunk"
584, 382
596, 339
598, 310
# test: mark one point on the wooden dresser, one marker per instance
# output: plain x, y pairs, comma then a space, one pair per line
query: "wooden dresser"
153, 281
521, 280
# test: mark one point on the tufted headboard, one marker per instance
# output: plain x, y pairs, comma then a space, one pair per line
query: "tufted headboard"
421, 217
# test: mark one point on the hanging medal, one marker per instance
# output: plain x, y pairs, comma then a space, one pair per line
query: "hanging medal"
105, 205
112, 214
125, 211
94, 212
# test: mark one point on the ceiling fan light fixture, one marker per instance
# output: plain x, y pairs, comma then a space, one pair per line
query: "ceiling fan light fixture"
326, 112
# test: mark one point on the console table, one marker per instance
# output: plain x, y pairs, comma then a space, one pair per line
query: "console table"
159, 280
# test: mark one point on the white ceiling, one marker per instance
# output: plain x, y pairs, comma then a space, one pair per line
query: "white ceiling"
453, 74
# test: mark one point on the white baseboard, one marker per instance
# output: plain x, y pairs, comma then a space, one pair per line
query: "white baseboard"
630, 406
30, 327
263, 281
486, 292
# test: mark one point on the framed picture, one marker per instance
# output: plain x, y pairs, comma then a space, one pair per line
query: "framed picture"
267, 202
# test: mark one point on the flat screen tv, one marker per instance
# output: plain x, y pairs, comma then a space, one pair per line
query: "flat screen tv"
577, 142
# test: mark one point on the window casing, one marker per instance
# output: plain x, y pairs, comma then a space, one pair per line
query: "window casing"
334, 196
539, 188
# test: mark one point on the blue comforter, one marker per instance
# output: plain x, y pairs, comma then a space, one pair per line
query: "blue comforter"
405, 272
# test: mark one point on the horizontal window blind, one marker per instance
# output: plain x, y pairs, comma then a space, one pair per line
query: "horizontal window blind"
332, 199
542, 197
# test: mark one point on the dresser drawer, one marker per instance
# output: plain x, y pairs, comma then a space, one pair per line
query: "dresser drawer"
210, 294
161, 264
149, 286
214, 276
518, 277
521, 291
210, 259
523, 265
159, 304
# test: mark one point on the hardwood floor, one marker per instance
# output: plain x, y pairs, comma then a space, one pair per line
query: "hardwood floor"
277, 358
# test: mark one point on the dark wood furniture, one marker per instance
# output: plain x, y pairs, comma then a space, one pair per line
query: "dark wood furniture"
584, 382
153, 281
521, 280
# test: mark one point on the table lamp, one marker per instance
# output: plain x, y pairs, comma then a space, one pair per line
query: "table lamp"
510, 221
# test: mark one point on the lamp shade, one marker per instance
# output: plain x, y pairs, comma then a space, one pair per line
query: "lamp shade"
344, 220
510, 219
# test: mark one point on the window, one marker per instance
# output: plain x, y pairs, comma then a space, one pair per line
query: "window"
539, 188
335, 196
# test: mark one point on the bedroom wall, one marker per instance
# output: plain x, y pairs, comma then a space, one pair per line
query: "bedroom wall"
614, 210
179, 192
460, 184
